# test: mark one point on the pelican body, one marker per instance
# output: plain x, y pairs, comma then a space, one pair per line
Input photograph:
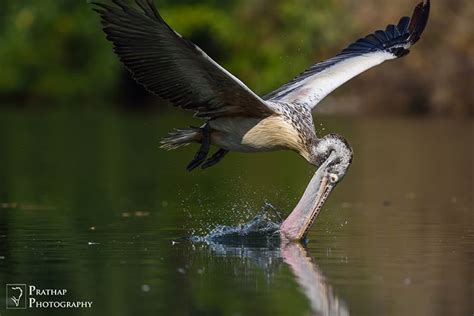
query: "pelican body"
236, 119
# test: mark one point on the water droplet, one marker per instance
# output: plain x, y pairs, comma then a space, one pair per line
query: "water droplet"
407, 281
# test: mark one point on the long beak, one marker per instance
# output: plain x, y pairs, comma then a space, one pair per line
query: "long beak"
296, 226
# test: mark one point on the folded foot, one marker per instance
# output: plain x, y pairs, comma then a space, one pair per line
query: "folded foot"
201, 155
215, 159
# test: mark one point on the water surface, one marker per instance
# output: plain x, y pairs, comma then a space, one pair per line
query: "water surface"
89, 203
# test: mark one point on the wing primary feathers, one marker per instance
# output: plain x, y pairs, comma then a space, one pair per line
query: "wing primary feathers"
419, 21
405, 34
172, 67
393, 42
403, 25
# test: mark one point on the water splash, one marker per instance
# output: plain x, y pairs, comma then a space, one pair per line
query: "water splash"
264, 226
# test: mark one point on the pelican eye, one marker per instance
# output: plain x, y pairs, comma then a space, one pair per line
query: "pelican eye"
333, 178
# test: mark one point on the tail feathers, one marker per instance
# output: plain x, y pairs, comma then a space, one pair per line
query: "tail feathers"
180, 138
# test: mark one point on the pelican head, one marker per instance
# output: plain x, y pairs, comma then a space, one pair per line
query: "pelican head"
333, 155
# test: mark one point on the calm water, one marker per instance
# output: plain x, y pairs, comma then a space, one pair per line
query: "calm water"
88, 203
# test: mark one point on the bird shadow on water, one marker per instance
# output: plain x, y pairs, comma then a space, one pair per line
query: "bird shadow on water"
258, 242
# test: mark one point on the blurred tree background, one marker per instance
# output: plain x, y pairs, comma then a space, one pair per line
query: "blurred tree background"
54, 54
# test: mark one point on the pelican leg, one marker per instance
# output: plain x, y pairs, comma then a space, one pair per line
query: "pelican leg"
215, 159
201, 155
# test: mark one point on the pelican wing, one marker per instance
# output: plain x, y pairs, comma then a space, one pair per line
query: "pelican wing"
317, 82
172, 67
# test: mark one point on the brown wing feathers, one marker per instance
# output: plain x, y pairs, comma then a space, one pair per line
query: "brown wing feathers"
172, 67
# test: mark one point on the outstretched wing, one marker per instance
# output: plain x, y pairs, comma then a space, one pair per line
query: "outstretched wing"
172, 67
317, 82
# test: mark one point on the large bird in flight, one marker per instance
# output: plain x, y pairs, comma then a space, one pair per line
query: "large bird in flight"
237, 119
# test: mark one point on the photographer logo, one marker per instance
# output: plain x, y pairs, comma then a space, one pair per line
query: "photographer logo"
22, 296
16, 296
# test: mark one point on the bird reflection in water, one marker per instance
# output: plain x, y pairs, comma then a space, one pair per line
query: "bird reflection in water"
269, 254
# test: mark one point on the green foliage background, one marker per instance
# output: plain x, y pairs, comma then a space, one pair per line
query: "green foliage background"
53, 52
55, 49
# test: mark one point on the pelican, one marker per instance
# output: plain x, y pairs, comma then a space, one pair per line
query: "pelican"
237, 119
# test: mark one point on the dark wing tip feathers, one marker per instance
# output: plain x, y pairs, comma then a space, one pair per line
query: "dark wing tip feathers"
107, 11
419, 21
144, 42
396, 39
